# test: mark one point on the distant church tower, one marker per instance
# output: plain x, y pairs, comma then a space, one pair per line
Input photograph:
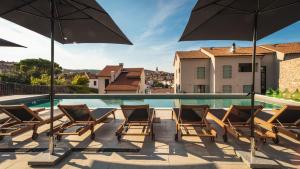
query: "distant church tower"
156, 69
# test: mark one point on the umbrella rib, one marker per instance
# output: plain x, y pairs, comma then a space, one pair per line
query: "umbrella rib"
269, 5
209, 19
59, 22
36, 9
87, 6
29, 13
216, 3
270, 10
11, 10
236, 9
98, 22
73, 12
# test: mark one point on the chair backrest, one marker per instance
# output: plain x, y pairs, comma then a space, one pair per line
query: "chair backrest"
238, 113
20, 113
193, 112
287, 114
77, 112
136, 112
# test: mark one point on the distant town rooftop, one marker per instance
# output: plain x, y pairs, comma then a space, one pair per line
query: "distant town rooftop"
128, 80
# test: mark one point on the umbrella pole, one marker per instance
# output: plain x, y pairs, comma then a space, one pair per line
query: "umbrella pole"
51, 138
252, 139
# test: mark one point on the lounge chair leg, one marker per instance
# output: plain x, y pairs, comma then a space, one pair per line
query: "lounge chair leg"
276, 139
93, 136
119, 137
114, 115
58, 137
212, 139
34, 133
152, 133
177, 133
225, 137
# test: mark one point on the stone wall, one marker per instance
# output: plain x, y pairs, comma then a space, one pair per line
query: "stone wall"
289, 76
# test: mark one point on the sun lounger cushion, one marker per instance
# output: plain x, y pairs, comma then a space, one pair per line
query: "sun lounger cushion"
19, 112
78, 113
218, 113
265, 115
189, 115
139, 114
101, 112
289, 116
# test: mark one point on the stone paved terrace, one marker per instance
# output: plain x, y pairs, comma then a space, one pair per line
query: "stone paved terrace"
165, 153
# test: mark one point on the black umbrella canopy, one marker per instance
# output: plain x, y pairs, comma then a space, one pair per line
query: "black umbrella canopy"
6, 43
234, 19
76, 21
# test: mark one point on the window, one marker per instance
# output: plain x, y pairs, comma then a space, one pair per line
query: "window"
227, 89
95, 83
247, 88
247, 67
227, 71
200, 72
201, 89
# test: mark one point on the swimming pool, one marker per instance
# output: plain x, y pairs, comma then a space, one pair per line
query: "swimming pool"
156, 103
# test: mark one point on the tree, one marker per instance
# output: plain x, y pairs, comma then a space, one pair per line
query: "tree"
35, 68
43, 80
80, 80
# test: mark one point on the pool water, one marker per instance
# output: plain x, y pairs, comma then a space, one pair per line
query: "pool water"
156, 103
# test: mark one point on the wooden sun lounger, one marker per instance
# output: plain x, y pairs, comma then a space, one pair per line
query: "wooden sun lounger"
193, 116
81, 119
236, 120
285, 121
137, 116
22, 119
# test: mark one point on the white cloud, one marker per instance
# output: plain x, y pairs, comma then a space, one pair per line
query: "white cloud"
165, 9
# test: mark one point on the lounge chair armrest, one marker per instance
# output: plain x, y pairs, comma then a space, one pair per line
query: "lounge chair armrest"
215, 119
263, 124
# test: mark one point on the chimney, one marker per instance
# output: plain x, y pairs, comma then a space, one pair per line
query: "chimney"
121, 64
112, 76
233, 47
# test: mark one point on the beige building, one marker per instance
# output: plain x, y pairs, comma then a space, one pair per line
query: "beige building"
116, 79
227, 69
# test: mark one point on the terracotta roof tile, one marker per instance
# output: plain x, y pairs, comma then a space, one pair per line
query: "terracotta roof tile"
128, 80
240, 51
195, 54
106, 71
286, 48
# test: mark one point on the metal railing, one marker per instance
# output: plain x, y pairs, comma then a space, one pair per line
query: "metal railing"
8, 88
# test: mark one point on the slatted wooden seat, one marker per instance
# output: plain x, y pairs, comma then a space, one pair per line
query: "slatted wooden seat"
193, 116
285, 121
81, 119
236, 121
137, 116
22, 119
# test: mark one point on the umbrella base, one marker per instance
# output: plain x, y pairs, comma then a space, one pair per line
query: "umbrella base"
47, 159
260, 160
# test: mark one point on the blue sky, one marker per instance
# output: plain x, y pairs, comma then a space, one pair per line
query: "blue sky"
154, 26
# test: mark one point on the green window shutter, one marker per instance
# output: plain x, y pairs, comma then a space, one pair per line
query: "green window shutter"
227, 71
247, 88
227, 89
200, 72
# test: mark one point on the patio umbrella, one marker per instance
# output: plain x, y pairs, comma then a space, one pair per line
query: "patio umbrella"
66, 21
6, 43
248, 20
